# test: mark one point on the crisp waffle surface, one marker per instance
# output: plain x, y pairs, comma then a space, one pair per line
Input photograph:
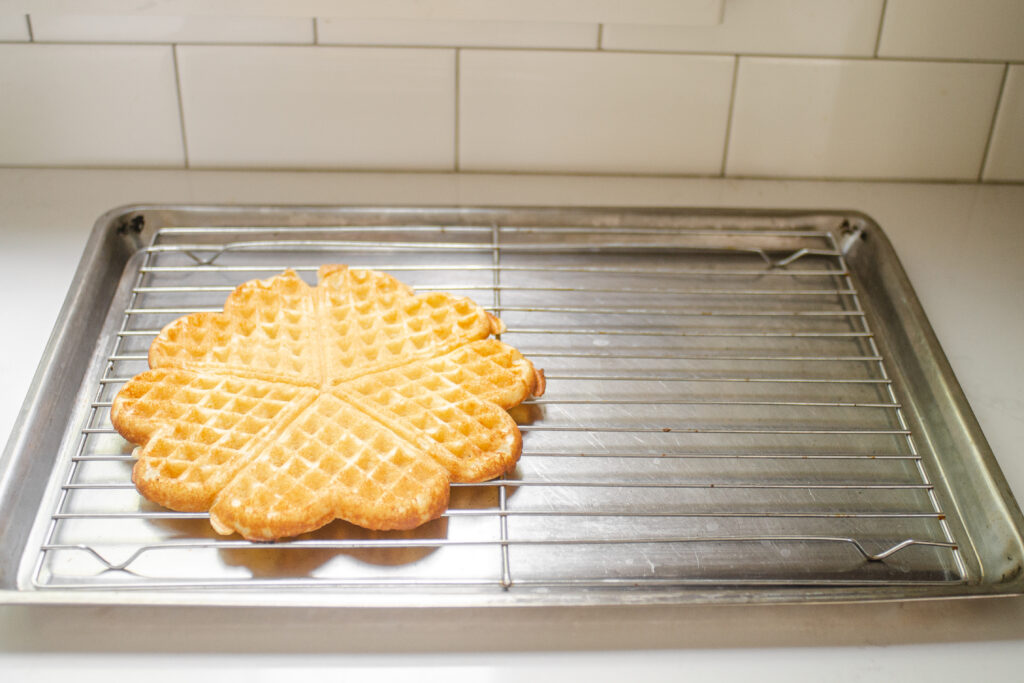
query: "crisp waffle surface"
355, 399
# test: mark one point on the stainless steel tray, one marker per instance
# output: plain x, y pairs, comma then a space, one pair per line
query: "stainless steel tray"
742, 406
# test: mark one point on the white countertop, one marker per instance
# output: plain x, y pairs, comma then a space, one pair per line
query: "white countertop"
962, 246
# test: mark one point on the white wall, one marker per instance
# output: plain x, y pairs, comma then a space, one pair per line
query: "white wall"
901, 89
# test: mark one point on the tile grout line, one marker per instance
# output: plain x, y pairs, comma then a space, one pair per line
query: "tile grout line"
455, 144
181, 105
905, 180
992, 125
600, 36
729, 114
574, 50
31, 33
316, 32
881, 23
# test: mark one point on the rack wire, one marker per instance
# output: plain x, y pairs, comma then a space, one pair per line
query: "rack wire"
718, 413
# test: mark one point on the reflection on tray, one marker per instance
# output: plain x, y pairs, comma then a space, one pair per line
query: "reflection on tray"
294, 561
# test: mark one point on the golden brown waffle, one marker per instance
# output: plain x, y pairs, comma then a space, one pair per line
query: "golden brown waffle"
297, 405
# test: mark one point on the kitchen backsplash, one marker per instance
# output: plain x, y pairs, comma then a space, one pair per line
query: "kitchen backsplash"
865, 89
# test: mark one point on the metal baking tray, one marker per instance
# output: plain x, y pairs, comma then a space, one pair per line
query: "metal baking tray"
742, 406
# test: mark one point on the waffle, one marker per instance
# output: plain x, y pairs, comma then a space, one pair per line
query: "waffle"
355, 399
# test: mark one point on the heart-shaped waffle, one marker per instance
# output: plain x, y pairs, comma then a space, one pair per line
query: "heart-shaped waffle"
355, 399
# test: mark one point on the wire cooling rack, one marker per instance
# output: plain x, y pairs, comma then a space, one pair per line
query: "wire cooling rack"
718, 413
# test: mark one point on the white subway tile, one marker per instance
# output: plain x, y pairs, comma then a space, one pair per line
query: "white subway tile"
94, 105
861, 118
457, 33
1006, 151
586, 11
318, 107
139, 28
980, 29
592, 112
13, 27
782, 27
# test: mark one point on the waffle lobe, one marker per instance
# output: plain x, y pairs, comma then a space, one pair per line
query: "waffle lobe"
355, 399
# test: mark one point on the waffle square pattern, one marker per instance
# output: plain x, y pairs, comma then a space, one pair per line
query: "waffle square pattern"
355, 399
